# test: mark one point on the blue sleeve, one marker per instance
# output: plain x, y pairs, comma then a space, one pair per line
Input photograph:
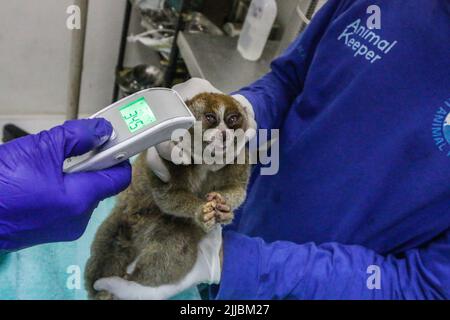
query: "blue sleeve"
272, 95
284, 270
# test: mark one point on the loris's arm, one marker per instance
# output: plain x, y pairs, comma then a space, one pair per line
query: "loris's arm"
232, 195
182, 203
225, 201
170, 197
235, 186
176, 201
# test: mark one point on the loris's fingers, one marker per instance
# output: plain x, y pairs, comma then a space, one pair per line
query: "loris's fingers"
224, 217
223, 207
209, 216
215, 196
210, 196
209, 206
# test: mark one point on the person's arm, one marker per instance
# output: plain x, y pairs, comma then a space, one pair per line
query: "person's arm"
272, 95
39, 203
284, 270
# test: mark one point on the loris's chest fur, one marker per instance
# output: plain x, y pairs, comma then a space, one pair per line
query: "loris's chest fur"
187, 189
201, 180
197, 178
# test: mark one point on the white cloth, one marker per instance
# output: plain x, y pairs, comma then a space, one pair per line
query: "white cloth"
207, 269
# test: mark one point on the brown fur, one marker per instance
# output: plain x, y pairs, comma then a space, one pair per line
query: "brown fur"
160, 224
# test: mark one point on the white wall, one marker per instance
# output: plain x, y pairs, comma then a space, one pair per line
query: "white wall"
34, 55
136, 53
34, 46
102, 48
291, 21
286, 8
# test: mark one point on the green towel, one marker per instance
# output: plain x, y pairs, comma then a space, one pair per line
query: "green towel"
55, 271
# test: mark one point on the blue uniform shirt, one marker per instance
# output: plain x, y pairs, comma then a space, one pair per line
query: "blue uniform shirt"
360, 207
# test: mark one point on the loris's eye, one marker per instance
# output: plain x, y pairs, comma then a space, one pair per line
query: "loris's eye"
233, 119
211, 118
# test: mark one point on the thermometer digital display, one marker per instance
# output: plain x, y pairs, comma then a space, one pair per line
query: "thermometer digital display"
137, 115
139, 121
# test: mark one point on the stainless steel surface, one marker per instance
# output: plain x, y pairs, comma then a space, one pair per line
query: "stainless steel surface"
216, 59
197, 22
76, 62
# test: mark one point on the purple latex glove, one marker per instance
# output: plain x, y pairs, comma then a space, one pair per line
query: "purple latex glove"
38, 202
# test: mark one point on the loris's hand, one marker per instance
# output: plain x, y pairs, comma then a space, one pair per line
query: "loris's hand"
207, 269
223, 213
205, 216
214, 211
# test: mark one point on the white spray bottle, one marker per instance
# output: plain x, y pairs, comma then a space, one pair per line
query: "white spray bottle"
256, 30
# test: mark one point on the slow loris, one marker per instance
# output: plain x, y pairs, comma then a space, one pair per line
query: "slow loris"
156, 225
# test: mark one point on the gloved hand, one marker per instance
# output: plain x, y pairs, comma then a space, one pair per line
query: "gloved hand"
207, 269
41, 204
187, 90
192, 87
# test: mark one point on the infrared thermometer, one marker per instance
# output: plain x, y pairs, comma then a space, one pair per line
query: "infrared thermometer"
139, 121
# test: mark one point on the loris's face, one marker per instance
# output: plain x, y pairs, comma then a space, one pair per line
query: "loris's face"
219, 112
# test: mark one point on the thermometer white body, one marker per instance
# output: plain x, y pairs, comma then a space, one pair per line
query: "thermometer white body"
140, 121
